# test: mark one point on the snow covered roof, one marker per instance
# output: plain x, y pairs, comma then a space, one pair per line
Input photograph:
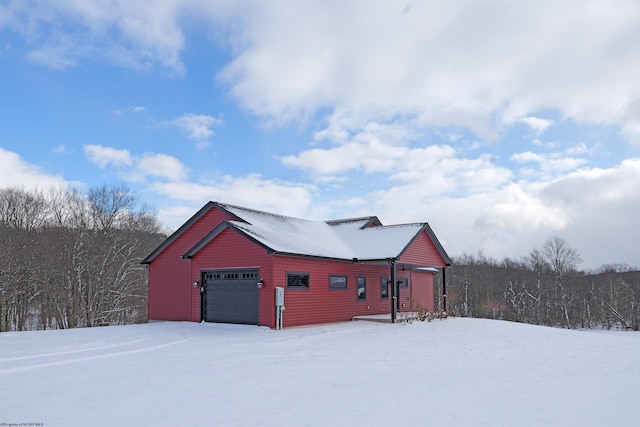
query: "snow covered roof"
356, 238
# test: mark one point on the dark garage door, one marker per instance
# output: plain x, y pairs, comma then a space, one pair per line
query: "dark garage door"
231, 296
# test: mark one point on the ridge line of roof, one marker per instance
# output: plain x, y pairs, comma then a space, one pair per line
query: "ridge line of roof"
421, 224
240, 223
225, 205
356, 219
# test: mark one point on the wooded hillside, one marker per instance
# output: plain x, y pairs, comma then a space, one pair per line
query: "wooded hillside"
72, 259
545, 288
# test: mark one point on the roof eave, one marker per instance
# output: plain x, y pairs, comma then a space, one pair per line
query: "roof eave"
439, 247
215, 233
184, 227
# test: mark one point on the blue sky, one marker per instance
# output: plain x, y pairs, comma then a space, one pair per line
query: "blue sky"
499, 123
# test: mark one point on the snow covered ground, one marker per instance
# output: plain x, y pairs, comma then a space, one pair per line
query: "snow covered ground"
456, 372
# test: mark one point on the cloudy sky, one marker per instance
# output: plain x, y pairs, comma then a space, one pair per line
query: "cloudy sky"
500, 123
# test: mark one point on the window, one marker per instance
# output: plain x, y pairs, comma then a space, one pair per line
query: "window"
298, 280
384, 288
404, 282
337, 282
362, 287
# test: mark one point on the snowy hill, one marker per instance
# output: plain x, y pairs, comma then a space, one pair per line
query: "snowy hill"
457, 372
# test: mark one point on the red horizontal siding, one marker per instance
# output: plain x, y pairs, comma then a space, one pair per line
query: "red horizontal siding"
319, 304
405, 293
170, 275
230, 249
172, 296
422, 251
167, 301
419, 293
422, 290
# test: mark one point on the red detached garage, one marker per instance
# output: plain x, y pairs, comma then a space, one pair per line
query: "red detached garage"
225, 263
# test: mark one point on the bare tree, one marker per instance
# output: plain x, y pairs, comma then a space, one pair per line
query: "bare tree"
66, 207
545, 287
562, 258
110, 203
72, 258
20, 208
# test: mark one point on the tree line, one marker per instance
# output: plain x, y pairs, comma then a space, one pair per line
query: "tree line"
545, 288
71, 258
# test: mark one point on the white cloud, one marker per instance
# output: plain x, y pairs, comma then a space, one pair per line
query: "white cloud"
630, 115
381, 78
581, 148
185, 191
537, 124
253, 190
516, 210
469, 64
14, 171
594, 209
436, 168
604, 206
104, 156
133, 110
161, 166
196, 126
130, 34
631, 131
373, 156
595, 186
550, 164
58, 55
465, 64
527, 156
136, 169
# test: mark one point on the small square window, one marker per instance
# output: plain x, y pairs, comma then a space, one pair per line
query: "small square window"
337, 282
404, 282
298, 280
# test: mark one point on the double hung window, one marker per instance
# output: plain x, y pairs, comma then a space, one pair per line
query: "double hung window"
362, 288
384, 288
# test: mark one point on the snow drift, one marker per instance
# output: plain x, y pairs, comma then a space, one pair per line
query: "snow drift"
452, 372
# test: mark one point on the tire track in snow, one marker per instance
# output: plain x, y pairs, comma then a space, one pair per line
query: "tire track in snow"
60, 353
87, 358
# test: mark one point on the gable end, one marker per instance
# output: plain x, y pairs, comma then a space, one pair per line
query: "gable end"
184, 227
434, 240
215, 233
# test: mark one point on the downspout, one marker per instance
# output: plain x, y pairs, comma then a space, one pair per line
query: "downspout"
411, 290
202, 283
190, 291
444, 289
392, 263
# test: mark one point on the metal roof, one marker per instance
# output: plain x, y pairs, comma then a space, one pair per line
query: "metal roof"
349, 239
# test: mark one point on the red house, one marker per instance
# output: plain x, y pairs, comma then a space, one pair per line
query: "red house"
225, 263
